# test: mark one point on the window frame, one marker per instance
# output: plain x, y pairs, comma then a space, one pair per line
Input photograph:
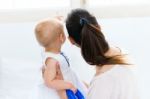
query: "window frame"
34, 14
29, 15
119, 11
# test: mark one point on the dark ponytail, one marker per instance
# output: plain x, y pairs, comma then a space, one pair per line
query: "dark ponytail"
91, 42
86, 32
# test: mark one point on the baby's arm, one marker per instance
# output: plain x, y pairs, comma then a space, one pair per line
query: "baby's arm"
50, 77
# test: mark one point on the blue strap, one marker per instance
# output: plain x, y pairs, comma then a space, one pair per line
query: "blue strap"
67, 60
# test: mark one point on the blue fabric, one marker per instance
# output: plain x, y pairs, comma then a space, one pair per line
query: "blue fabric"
71, 95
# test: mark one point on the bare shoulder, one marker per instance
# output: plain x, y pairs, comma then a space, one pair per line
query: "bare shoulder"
50, 62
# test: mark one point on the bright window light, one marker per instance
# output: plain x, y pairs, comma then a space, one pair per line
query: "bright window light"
116, 2
23, 4
6, 4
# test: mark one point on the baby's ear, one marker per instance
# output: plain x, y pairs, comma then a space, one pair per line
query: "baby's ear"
62, 37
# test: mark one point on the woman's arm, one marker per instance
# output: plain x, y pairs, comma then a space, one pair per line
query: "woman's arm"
86, 84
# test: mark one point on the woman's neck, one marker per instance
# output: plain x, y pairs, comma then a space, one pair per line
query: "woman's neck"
111, 52
103, 69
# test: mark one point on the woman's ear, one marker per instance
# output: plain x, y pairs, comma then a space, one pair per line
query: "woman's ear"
71, 40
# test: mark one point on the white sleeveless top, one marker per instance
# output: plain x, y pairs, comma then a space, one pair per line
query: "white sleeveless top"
68, 73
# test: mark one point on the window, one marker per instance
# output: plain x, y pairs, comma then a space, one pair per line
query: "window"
5, 4
116, 2
32, 10
23, 4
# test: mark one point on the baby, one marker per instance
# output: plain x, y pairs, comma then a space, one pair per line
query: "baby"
57, 74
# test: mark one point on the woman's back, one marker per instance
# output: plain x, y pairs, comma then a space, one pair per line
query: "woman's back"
116, 83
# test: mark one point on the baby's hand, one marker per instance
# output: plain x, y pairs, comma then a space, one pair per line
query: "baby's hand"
72, 87
60, 18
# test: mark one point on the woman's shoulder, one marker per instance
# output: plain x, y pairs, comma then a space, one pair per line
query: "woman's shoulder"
122, 74
117, 73
122, 70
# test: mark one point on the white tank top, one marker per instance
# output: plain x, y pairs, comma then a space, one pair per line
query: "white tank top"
68, 73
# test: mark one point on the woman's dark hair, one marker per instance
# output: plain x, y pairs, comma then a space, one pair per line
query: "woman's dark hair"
84, 29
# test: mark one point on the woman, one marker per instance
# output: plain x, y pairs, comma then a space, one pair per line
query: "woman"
113, 80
